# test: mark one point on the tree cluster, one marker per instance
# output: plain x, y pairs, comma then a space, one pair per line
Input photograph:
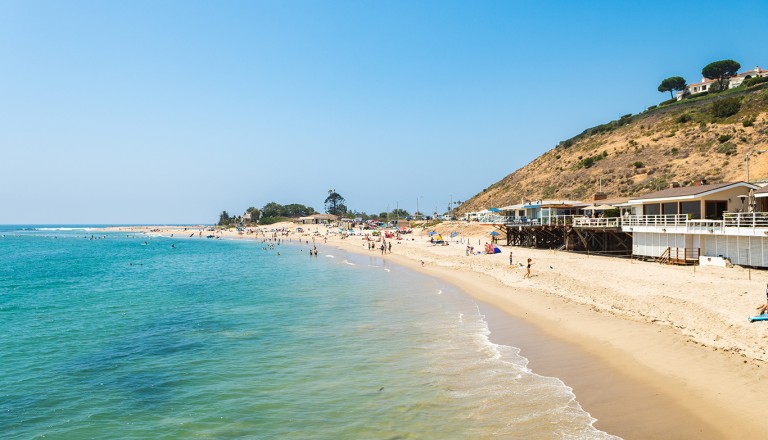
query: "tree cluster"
719, 71
334, 204
271, 212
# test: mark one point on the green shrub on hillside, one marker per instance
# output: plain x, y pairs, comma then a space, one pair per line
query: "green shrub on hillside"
638, 165
685, 117
725, 107
755, 81
749, 122
667, 102
588, 162
697, 95
727, 149
723, 138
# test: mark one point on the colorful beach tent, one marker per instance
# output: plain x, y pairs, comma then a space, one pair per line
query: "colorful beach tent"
494, 233
454, 233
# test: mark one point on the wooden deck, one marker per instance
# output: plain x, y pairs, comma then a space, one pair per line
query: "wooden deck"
599, 238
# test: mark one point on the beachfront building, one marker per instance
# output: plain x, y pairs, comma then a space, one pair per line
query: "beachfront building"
536, 212
316, 219
546, 212
704, 223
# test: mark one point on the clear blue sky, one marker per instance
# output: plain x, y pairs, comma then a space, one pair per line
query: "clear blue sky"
170, 112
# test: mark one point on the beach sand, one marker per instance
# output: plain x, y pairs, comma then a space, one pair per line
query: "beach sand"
651, 351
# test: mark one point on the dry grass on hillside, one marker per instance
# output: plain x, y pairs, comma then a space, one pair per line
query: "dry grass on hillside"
682, 143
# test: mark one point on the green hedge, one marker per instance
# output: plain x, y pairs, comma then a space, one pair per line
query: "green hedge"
755, 81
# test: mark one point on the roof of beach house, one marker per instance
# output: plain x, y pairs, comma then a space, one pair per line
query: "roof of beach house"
689, 192
554, 204
612, 201
762, 192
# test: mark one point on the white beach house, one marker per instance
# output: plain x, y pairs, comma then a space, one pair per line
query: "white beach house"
702, 223
733, 82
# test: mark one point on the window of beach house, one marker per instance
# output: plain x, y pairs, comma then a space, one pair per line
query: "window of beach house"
693, 209
669, 208
714, 209
652, 209
545, 216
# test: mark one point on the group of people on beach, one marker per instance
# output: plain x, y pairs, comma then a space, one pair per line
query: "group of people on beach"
385, 247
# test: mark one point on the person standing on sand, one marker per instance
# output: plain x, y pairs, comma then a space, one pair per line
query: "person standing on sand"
510, 258
528, 269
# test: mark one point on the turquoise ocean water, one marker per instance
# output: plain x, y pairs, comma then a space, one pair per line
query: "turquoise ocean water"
113, 338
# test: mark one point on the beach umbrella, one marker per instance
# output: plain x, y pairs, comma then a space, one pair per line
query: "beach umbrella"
431, 233
597, 207
494, 233
494, 209
453, 234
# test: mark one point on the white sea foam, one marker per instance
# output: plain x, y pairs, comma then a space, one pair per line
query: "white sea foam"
329, 256
550, 389
387, 269
351, 264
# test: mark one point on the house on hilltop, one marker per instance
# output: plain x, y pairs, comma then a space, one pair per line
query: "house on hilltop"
733, 81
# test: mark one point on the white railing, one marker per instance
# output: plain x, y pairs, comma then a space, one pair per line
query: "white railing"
586, 222
704, 226
750, 220
522, 221
655, 220
491, 219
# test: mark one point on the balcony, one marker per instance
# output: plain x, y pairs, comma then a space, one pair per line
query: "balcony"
597, 223
745, 223
670, 223
733, 223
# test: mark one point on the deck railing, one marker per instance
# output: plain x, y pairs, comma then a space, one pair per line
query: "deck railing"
655, 220
586, 222
704, 226
750, 220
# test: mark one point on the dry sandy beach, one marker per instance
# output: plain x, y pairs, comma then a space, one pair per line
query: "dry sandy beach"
651, 351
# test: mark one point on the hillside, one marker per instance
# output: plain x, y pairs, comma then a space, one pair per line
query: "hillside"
679, 142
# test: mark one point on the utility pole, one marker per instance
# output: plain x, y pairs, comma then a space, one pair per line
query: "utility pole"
746, 159
417, 208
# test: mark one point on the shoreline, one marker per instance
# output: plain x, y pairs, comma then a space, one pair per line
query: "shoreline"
638, 378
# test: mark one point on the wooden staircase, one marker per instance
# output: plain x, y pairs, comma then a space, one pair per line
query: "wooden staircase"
664, 257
